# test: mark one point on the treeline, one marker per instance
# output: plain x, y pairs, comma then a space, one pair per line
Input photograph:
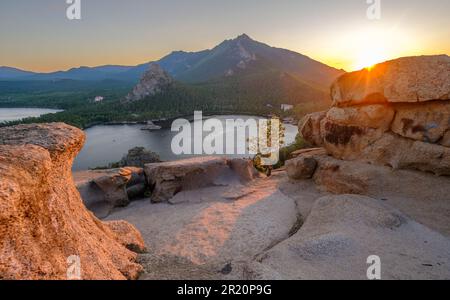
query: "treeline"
259, 94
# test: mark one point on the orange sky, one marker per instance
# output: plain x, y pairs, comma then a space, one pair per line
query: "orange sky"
36, 35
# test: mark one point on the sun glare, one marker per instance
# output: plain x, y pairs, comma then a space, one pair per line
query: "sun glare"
369, 46
368, 58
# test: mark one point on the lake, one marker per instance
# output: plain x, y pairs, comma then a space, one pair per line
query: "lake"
15, 114
108, 144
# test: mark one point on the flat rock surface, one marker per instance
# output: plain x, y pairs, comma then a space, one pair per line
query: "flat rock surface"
342, 232
210, 228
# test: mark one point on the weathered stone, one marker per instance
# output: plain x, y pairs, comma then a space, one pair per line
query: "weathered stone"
302, 167
402, 153
139, 157
309, 128
169, 178
347, 141
426, 122
243, 168
446, 139
127, 235
339, 235
103, 190
408, 190
332, 176
407, 79
43, 221
114, 187
210, 230
376, 116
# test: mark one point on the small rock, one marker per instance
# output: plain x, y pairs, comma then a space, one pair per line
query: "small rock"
302, 167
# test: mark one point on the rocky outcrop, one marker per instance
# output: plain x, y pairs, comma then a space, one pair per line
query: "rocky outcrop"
153, 82
396, 114
342, 232
43, 222
139, 157
170, 178
407, 79
302, 167
309, 127
104, 190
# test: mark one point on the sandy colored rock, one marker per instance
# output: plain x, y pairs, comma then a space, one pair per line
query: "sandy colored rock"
406, 190
347, 141
207, 230
243, 168
407, 79
446, 139
302, 167
426, 122
402, 153
42, 218
103, 190
170, 178
377, 116
309, 128
114, 187
127, 235
341, 233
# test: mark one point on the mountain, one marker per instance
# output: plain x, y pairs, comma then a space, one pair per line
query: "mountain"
244, 56
13, 73
241, 56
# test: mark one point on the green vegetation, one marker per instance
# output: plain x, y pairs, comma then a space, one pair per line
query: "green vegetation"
259, 94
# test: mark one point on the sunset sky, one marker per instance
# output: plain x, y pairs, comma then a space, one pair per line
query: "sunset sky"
36, 35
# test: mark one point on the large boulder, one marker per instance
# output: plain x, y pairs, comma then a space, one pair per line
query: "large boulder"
309, 128
348, 131
408, 79
104, 190
402, 153
302, 167
43, 222
139, 157
342, 232
396, 114
170, 178
376, 116
347, 141
426, 122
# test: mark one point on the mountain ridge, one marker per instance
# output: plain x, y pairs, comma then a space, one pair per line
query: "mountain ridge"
227, 58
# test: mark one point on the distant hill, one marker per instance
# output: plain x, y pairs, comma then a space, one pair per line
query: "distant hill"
7, 73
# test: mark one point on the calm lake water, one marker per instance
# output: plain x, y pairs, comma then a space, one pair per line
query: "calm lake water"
108, 144
14, 114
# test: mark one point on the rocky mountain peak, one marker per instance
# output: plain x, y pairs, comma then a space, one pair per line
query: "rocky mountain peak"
244, 37
154, 80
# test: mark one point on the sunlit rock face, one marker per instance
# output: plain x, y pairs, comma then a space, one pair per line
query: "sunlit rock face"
43, 221
407, 79
395, 114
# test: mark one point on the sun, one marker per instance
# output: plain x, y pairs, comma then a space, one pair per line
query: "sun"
369, 57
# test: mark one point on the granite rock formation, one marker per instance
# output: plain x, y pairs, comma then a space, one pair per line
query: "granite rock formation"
43, 221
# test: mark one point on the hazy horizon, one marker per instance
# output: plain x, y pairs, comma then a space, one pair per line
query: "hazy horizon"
337, 33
